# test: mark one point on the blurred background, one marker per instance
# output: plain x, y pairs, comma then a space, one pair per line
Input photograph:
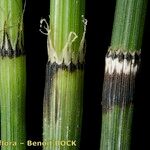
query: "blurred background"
100, 20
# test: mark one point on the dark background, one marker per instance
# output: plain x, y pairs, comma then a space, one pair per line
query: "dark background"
100, 21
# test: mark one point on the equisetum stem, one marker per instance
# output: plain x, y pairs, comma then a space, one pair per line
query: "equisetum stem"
12, 76
121, 67
62, 109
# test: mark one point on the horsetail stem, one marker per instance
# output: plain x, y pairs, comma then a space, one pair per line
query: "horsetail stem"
62, 114
122, 64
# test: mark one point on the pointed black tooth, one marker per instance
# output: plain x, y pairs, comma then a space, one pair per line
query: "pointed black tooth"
128, 57
120, 57
7, 50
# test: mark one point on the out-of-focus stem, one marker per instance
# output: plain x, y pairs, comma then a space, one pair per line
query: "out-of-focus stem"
12, 76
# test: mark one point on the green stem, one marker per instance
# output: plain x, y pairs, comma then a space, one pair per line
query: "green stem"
122, 65
12, 76
63, 96
128, 25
